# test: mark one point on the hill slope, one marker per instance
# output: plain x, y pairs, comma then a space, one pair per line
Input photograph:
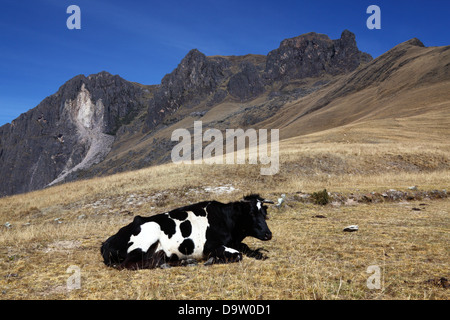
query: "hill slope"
407, 81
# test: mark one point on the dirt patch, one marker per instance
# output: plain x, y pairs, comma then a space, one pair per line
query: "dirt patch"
63, 245
391, 195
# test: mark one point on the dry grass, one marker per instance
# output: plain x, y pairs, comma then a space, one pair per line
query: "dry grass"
309, 258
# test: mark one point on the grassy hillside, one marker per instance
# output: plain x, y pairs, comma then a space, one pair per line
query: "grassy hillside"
309, 257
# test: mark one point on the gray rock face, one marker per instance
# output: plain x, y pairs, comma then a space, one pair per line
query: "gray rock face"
67, 131
311, 55
196, 77
247, 83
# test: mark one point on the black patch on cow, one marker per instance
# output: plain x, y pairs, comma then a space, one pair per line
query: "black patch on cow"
186, 228
179, 215
186, 247
167, 224
173, 257
199, 212
137, 222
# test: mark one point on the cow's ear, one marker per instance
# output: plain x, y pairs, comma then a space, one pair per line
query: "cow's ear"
268, 201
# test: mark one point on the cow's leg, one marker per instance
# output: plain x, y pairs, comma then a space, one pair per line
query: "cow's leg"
137, 259
223, 254
257, 254
133, 261
175, 262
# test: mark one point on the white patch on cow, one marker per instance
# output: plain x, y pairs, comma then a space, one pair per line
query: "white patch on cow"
150, 233
198, 236
258, 204
230, 250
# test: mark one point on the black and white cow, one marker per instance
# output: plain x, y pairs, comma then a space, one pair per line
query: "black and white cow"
208, 230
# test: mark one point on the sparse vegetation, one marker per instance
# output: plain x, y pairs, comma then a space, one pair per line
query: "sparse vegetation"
321, 197
309, 258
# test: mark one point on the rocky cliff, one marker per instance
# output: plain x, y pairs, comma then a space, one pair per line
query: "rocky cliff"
312, 55
198, 77
68, 131
195, 77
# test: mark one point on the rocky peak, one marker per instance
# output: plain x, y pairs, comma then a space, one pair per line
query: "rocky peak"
102, 74
195, 77
313, 54
304, 40
196, 74
348, 39
414, 42
104, 89
347, 56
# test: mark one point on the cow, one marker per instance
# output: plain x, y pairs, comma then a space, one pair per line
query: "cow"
208, 230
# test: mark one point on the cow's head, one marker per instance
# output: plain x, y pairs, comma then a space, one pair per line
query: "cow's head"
255, 222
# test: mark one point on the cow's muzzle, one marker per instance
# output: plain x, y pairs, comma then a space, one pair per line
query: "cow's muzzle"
267, 236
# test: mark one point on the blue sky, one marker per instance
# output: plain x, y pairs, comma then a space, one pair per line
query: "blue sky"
142, 40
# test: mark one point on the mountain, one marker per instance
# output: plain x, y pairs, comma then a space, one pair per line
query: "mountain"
68, 131
198, 78
312, 55
103, 124
408, 80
